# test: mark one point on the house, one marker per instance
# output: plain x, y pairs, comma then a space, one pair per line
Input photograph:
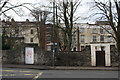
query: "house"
30, 33
98, 36
92, 33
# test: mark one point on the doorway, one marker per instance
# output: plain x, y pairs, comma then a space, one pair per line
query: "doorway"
100, 58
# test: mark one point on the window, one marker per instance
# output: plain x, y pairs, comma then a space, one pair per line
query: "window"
82, 39
48, 48
109, 39
102, 48
94, 39
48, 38
82, 30
102, 38
31, 31
109, 30
101, 31
74, 38
31, 39
74, 49
82, 48
16, 32
96, 48
94, 30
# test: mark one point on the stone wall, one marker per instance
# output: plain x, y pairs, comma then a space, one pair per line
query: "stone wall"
114, 56
45, 58
82, 58
18, 57
12, 57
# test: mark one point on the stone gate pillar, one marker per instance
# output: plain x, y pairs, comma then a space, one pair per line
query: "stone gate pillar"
107, 53
93, 55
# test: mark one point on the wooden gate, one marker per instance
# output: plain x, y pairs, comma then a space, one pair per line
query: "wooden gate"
100, 58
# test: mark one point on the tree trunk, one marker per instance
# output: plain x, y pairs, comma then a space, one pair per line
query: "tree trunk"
118, 30
69, 41
118, 39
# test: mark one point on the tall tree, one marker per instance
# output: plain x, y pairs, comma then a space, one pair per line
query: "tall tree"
41, 18
66, 12
5, 6
110, 10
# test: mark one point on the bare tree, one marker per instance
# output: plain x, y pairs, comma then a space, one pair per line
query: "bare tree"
6, 5
66, 13
110, 11
40, 15
41, 18
11, 38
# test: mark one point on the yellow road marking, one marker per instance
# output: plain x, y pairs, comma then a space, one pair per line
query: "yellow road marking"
28, 74
3, 75
12, 74
24, 71
37, 76
7, 70
8, 75
13, 71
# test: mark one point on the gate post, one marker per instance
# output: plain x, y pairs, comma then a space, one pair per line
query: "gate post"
93, 55
107, 55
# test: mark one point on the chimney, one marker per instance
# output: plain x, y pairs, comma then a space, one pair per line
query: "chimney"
27, 20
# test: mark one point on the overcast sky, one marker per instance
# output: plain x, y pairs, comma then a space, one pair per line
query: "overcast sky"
24, 13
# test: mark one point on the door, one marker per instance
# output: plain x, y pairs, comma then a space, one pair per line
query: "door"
100, 58
29, 55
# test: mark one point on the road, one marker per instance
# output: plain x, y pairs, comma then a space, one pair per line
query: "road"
32, 74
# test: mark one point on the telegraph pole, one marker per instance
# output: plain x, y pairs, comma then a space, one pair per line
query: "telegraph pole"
78, 39
53, 32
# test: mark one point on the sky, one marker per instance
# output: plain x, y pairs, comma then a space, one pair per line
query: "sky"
23, 13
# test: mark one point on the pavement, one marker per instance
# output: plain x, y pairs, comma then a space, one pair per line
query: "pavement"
38, 67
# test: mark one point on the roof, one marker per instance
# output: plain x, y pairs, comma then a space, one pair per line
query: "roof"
102, 22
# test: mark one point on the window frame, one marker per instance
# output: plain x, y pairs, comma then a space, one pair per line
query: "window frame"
31, 31
31, 39
94, 38
82, 38
102, 38
101, 31
82, 30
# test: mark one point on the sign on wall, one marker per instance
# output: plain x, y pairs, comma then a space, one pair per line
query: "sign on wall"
29, 55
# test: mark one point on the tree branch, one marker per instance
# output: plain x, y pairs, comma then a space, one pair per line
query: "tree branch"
12, 8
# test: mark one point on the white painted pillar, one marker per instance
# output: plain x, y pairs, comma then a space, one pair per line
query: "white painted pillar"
93, 55
107, 55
